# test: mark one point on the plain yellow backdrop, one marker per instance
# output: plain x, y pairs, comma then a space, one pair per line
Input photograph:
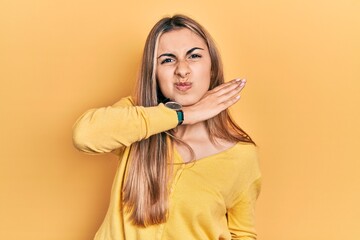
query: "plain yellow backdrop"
301, 105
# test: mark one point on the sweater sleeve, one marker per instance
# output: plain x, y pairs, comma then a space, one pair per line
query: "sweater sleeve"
106, 129
241, 217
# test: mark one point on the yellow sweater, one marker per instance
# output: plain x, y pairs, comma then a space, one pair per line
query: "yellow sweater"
212, 198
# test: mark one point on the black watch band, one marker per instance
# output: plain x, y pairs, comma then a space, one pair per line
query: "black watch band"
180, 115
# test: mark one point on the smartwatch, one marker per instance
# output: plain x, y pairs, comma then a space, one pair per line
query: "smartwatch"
177, 107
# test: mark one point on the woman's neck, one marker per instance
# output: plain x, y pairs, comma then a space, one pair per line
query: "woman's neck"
192, 132
197, 137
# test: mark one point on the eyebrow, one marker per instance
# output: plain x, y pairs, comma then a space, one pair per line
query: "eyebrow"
187, 53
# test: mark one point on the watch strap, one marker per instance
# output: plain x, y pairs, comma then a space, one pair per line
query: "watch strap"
180, 115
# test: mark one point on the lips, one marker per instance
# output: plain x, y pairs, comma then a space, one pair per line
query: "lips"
184, 86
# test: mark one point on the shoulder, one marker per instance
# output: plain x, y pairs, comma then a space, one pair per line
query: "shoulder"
245, 151
124, 102
248, 151
245, 158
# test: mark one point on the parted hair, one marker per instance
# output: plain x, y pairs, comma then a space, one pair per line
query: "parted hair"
145, 190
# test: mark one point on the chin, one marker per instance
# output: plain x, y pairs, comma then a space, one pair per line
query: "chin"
187, 101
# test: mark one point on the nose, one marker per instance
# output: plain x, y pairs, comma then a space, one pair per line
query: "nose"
182, 69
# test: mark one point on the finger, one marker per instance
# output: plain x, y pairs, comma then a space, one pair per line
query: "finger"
231, 101
228, 84
225, 91
233, 93
236, 85
229, 92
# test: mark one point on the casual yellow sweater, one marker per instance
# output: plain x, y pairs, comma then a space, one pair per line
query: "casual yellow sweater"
211, 198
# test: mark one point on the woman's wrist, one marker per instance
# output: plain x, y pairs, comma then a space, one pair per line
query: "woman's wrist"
189, 116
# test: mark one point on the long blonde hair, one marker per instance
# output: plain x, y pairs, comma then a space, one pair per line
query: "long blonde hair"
145, 194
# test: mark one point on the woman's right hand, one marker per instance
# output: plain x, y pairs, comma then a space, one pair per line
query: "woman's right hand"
214, 102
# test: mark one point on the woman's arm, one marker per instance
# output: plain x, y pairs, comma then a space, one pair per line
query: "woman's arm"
241, 217
105, 129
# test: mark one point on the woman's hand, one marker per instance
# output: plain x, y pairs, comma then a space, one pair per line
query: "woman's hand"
214, 102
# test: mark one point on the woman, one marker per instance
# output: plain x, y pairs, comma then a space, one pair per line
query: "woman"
186, 170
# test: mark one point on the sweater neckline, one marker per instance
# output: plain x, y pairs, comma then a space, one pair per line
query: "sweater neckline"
179, 160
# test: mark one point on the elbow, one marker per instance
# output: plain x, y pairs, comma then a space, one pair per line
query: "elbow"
81, 140
96, 131
88, 139
84, 139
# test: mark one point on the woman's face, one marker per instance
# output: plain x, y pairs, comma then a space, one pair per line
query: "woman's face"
183, 66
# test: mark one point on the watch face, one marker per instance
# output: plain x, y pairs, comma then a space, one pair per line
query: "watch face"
173, 105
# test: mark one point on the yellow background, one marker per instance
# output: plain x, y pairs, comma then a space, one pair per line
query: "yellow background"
301, 105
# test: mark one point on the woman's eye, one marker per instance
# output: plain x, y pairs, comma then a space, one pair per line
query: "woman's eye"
195, 55
166, 60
